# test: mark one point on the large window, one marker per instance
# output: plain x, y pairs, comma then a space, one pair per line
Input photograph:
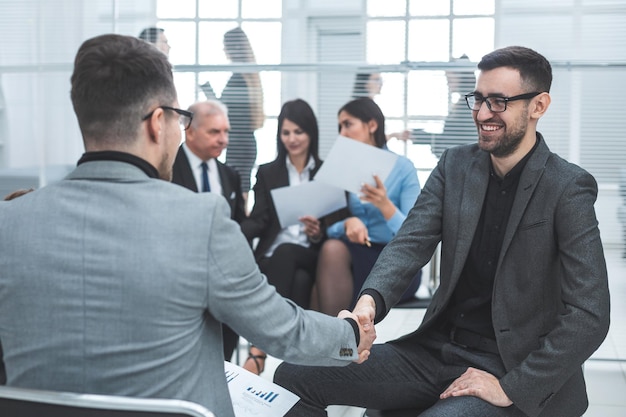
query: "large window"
195, 30
420, 35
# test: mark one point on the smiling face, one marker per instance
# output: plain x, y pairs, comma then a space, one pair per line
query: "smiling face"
502, 133
295, 139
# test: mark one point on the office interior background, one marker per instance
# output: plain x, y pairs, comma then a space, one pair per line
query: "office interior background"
312, 49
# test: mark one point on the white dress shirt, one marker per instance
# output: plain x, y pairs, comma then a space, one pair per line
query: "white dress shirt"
196, 168
295, 233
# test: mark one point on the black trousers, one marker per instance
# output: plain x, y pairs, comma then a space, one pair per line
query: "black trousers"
291, 269
400, 375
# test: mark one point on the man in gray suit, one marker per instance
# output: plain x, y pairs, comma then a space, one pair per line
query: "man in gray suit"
523, 299
116, 281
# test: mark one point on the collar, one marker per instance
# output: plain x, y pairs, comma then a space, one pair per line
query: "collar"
308, 167
516, 171
142, 164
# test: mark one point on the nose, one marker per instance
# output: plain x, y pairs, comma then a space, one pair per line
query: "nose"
483, 111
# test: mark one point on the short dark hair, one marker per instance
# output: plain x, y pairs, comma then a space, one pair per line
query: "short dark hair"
299, 112
534, 69
116, 81
151, 34
365, 109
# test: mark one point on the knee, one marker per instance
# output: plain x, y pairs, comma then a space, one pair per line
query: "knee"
286, 376
333, 249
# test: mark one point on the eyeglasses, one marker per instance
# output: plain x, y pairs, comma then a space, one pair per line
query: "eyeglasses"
184, 117
494, 104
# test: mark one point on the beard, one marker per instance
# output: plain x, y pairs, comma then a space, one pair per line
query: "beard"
165, 168
510, 140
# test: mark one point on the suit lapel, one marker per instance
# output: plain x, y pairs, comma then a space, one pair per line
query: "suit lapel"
227, 187
183, 174
529, 179
474, 190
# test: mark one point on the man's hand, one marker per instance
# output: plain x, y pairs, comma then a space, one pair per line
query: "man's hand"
365, 309
479, 384
367, 334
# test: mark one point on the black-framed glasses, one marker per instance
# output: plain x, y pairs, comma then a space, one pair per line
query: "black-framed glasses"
495, 104
184, 117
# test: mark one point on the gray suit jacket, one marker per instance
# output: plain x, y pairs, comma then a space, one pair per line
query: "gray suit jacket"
115, 283
550, 304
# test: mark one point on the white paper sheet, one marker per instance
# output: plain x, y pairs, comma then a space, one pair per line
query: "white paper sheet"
253, 396
350, 163
310, 198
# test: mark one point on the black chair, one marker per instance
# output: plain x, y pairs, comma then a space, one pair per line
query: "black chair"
22, 402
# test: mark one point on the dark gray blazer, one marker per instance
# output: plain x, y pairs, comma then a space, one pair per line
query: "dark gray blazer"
550, 305
116, 283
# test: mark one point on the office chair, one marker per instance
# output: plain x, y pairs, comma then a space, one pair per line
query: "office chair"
22, 402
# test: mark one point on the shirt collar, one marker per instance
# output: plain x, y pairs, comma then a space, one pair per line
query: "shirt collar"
140, 163
516, 171
309, 166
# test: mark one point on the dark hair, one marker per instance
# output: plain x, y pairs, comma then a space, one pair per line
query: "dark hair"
365, 109
360, 85
299, 112
534, 69
151, 34
116, 81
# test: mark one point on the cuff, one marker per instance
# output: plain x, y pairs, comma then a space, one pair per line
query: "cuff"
355, 327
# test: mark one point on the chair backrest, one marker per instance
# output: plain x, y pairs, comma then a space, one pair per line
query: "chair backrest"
22, 402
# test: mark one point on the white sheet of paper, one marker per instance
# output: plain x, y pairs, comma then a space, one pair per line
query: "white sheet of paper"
313, 198
350, 163
254, 396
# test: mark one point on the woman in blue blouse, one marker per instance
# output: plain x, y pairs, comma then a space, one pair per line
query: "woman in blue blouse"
354, 244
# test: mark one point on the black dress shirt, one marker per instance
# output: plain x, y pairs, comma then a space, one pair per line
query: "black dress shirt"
470, 306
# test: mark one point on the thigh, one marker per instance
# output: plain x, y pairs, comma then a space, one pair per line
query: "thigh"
385, 381
469, 406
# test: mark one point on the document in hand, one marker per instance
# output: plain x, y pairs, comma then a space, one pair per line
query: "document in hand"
252, 395
312, 198
350, 163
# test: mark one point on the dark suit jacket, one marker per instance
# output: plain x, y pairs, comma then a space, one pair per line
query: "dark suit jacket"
550, 303
230, 180
263, 221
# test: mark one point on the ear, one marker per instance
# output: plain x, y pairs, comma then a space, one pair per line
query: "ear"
372, 125
156, 125
540, 105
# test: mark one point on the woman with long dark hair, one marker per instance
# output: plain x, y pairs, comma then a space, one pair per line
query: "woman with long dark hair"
287, 256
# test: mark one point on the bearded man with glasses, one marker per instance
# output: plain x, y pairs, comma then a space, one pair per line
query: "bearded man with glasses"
523, 299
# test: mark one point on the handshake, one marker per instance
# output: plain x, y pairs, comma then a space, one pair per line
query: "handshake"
363, 313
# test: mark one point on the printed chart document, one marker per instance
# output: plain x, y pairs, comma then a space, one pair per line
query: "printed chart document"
313, 198
350, 163
253, 396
